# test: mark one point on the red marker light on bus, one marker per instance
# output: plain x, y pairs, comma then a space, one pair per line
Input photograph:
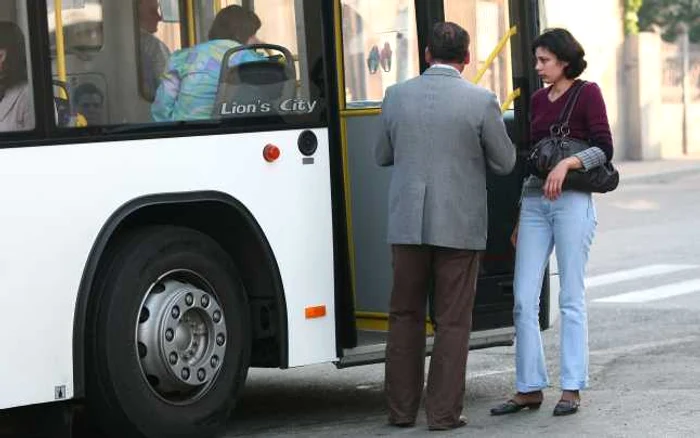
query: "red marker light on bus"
271, 153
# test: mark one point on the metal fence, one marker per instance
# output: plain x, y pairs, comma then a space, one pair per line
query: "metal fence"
672, 74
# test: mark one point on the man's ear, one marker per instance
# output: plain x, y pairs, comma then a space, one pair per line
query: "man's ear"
428, 56
467, 58
3, 55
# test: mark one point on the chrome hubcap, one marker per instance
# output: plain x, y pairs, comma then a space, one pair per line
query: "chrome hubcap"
181, 337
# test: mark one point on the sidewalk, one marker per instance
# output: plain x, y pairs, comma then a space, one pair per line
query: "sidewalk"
647, 171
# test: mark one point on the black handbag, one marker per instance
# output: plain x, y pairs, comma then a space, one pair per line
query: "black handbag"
549, 151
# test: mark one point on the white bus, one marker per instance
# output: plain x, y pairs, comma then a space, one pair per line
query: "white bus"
147, 265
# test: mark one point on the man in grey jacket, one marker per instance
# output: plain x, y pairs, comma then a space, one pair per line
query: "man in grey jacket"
440, 133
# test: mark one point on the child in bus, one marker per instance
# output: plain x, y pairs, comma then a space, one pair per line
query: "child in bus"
15, 97
188, 87
89, 100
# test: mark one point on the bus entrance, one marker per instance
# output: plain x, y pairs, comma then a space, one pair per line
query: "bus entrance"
382, 44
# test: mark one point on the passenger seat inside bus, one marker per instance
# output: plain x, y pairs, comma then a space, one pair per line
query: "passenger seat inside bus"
252, 85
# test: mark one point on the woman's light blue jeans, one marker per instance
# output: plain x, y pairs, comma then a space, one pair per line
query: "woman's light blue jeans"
568, 224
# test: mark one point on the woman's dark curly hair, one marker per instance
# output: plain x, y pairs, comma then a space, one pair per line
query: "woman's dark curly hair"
564, 46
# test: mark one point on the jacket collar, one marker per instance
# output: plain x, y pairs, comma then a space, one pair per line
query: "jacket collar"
440, 71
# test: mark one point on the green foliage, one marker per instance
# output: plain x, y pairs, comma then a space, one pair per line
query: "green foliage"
669, 16
631, 18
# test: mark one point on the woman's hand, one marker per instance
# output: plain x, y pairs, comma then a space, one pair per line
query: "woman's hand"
555, 180
514, 236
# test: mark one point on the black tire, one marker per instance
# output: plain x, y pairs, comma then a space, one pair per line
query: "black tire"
120, 399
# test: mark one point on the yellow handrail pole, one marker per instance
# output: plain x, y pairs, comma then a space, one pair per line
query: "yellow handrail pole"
482, 71
191, 34
60, 45
510, 99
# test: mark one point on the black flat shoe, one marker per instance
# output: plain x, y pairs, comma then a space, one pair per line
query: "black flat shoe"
511, 407
460, 423
566, 407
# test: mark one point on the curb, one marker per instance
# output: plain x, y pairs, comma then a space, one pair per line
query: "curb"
660, 176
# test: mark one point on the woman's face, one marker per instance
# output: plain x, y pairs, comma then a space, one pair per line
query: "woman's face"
548, 66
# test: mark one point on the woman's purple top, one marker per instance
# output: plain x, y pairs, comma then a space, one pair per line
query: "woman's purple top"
589, 119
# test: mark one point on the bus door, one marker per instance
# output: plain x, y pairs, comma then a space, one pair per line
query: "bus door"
382, 44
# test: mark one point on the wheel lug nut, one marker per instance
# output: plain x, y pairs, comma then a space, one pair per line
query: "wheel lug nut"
220, 339
201, 374
173, 358
205, 301
217, 316
185, 374
169, 335
189, 299
214, 361
175, 312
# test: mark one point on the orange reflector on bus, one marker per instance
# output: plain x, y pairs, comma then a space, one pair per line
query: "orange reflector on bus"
315, 312
271, 153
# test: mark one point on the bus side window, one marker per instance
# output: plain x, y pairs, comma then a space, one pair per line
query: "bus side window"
141, 74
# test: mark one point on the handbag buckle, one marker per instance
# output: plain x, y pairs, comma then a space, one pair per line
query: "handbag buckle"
562, 130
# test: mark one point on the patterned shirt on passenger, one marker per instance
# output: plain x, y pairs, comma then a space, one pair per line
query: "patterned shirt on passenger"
188, 88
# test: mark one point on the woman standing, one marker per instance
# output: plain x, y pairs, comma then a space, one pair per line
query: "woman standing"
15, 97
552, 217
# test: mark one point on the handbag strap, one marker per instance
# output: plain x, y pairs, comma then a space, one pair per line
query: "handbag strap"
561, 127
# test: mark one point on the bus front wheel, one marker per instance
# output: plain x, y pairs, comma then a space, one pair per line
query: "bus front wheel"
169, 346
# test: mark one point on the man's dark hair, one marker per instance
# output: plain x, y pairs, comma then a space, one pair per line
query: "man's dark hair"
87, 89
564, 46
449, 42
234, 23
15, 65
